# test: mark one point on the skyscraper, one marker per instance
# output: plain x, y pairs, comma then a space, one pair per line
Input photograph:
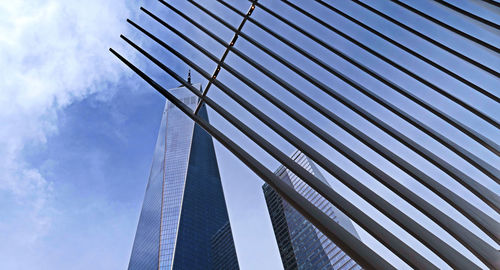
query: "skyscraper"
184, 211
301, 245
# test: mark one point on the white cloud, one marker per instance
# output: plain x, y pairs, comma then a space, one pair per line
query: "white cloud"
52, 53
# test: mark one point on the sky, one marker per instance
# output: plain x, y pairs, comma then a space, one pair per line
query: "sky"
78, 128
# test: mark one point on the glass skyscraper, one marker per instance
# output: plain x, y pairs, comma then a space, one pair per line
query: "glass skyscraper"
302, 246
184, 222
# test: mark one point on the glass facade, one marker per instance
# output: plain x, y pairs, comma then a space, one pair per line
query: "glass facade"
184, 205
301, 245
224, 253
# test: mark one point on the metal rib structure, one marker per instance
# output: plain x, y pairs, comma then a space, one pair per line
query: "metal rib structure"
486, 189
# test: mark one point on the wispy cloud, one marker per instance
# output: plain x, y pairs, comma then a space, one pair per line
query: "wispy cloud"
52, 53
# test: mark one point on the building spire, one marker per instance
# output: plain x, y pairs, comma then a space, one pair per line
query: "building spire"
189, 77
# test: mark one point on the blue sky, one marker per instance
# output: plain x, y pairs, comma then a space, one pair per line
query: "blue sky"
78, 129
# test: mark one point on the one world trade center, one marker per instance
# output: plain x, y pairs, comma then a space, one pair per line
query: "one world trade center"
184, 222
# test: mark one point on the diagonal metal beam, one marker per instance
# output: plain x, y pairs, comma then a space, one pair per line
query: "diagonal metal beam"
447, 26
468, 14
427, 38
479, 247
480, 164
492, 2
484, 222
471, 241
380, 233
493, 147
434, 243
356, 249
425, 153
447, 118
489, 197
412, 52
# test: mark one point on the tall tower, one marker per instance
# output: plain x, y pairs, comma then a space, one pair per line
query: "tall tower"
184, 212
302, 246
